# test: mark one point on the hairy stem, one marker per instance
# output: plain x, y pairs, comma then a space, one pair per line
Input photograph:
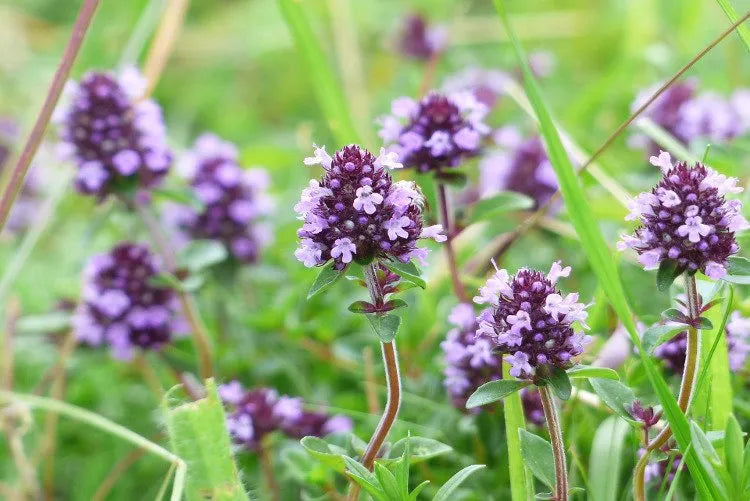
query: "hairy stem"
446, 219
187, 301
267, 466
393, 384
687, 385
13, 187
558, 446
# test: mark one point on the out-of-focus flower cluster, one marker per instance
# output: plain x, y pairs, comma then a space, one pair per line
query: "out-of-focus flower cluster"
688, 115
121, 308
116, 138
687, 219
531, 320
437, 132
233, 199
470, 360
417, 40
520, 165
356, 211
25, 208
255, 413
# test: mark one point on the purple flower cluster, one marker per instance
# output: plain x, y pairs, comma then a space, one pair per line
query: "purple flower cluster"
437, 132
120, 307
688, 116
519, 165
117, 139
420, 41
255, 413
487, 85
530, 319
673, 352
687, 219
470, 360
233, 199
356, 211
533, 409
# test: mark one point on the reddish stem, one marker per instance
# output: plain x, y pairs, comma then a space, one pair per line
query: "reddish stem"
11, 190
458, 288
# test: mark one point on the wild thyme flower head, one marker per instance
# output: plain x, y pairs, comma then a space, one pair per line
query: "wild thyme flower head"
686, 219
255, 413
531, 320
356, 211
438, 132
420, 41
121, 308
470, 360
520, 165
117, 140
233, 199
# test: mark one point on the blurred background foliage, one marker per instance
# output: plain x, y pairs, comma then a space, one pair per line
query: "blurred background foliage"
235, 72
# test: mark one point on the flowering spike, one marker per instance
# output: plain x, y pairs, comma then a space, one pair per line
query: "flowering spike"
686, 218
116, 140
357, 211
119, 306
531, 321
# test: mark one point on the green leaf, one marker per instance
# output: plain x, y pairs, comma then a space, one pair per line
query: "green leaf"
54, 321
417, 490
420, 449
615, 395
385, 326
557, 379
601, 259
323, 81
605, 462
321, 450
585, 371
407, 271
198, 434
674, 314
395, 304
327, 277
360, 307
658, 334
200, 254
733, 445
668, 272
746, 468
444, 493
182, 196
494, 391
169, 281
537, 453
704, 324
738, 271
387, 481
742, 30
494, 206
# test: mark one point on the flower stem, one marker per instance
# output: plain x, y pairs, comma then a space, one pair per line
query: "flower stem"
687, 385
13, 187
458, 288
267, 465
393, 383
558, 447
187, 301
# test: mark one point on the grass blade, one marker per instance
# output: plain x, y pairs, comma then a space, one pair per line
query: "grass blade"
742, 30
600, 258
521, 481
605, 462
325, 84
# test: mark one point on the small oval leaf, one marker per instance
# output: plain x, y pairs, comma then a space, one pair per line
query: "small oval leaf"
407, 271
658, 334
385, 326
494, 391
585, 371
537, 454
328, 276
